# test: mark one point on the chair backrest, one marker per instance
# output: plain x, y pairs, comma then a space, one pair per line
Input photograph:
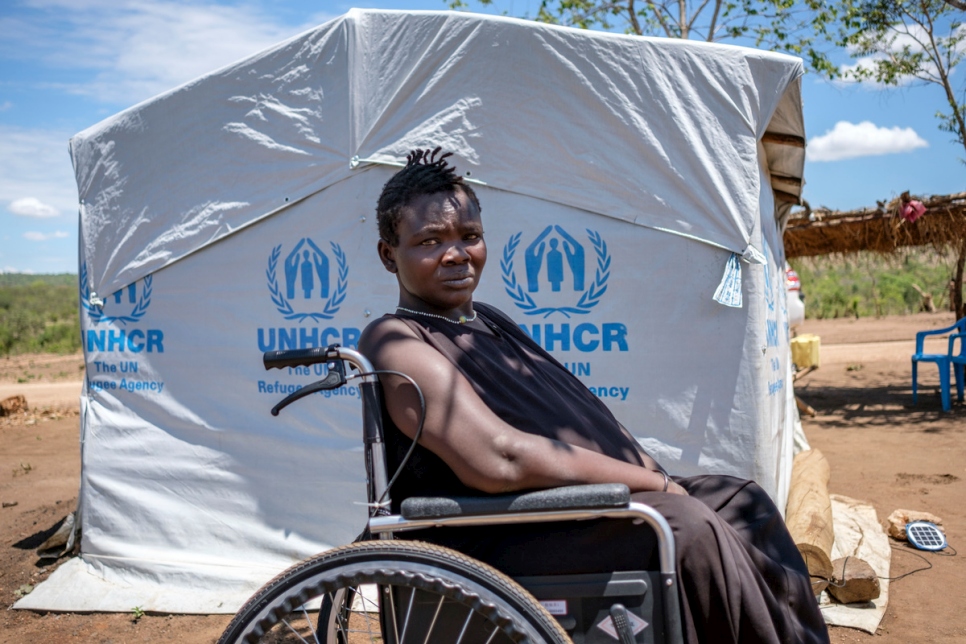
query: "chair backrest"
958, 327
957, 356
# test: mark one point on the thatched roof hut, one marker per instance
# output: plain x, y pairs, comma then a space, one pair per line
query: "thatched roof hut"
938, 221
881, 229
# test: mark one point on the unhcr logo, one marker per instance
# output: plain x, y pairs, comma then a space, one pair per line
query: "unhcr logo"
306, 281
547, 260
127, 299
126, 305
556, 279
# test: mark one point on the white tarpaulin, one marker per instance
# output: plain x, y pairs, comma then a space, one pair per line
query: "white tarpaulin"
620, 179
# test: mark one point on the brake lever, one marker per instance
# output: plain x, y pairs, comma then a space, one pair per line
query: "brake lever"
333, 380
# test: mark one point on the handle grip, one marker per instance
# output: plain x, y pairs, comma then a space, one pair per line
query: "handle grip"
299, 357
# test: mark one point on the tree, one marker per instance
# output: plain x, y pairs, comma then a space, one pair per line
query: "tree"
793, 26
901, 41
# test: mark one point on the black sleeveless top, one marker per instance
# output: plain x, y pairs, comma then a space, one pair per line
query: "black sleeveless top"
523, 384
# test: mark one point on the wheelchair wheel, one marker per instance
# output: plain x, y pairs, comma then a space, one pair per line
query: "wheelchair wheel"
393, 592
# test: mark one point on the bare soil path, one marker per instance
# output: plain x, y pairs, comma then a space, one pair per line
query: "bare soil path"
881, 450
888, 453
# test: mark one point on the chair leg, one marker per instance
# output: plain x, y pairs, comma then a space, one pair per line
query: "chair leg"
960, 371
944, 385
915, 369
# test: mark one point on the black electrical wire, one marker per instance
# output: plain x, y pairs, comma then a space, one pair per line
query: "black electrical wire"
419, 427
906, 549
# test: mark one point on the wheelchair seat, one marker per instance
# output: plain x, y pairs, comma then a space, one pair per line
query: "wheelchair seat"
625, 606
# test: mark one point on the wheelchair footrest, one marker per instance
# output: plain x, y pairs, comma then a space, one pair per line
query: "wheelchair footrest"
583, 605
575, 497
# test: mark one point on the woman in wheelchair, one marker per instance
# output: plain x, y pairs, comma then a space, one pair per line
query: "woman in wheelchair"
502, 415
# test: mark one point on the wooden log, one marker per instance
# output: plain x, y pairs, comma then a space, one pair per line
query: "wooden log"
804, 408
808, 515
854, 581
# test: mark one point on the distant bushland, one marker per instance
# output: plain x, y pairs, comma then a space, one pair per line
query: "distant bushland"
869, 284
39, 314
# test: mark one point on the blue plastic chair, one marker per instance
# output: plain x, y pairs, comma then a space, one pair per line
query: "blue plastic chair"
958, 361
942, 361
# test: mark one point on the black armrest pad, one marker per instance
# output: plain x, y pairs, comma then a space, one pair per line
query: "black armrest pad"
575, 497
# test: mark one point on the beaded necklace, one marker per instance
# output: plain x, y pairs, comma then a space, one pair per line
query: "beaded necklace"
462, 319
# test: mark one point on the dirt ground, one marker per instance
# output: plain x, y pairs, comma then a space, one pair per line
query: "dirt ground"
881, 449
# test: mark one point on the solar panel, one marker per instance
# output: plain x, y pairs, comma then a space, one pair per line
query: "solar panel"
925, 535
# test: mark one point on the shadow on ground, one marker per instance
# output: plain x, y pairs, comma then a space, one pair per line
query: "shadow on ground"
33, 541
866, 404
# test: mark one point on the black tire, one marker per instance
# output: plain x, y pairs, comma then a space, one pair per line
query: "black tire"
428, 593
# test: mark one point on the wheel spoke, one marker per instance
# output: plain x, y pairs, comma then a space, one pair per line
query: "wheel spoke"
466, 624
392, 609
294, 632
365, 612
409, 612
432, 624
308, 620
492, 635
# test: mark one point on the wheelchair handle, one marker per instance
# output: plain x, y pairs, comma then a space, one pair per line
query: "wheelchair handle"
316, 355
371, 400
299, 357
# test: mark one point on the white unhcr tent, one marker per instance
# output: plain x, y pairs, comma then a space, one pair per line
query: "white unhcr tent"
632, 193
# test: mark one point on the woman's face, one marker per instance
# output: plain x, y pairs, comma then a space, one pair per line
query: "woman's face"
440, 255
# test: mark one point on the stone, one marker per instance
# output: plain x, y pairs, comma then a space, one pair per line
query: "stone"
13, 405
853, 580
897, 522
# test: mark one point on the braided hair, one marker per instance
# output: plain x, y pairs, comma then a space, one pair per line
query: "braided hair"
424, 174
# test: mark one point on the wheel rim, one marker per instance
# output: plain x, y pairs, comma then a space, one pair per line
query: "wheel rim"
290, 616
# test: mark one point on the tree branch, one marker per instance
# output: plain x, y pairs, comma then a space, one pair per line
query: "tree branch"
660, 18
632, 14
714, 20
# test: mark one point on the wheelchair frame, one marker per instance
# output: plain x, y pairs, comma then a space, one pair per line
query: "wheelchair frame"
560, 504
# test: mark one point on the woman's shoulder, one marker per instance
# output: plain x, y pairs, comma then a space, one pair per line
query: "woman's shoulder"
382, 330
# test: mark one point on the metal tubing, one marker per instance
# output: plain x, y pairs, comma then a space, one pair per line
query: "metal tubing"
358, 361
640, 511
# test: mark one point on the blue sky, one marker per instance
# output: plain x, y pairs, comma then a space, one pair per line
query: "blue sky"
67, 64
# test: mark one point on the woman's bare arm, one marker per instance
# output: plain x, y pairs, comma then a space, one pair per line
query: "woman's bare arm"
482, 450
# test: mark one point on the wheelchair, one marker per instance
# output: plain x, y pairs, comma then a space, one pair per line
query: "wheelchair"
381, 589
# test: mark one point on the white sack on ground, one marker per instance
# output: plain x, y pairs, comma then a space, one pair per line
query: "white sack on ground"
235, 215
859, 534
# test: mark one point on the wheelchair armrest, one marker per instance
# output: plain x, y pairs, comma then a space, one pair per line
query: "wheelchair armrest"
575, 497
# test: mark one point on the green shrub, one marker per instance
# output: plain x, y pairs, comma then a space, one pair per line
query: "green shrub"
39, 314
867, 284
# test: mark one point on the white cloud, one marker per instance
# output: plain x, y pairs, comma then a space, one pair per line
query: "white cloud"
6, 105
915, 38
36, 162
32, 207
35, 236
850, 140
139, 48
11, 269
